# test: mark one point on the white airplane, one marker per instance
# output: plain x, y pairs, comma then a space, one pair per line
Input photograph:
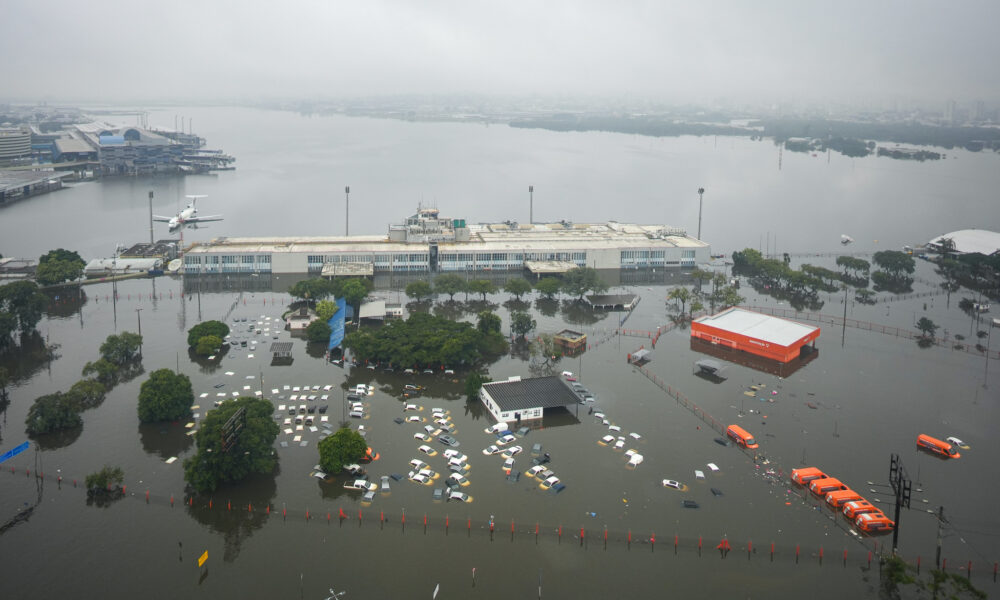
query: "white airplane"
188, 216
845, 239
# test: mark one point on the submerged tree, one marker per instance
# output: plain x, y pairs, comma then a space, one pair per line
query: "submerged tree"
165, 396
344, 447
222, 460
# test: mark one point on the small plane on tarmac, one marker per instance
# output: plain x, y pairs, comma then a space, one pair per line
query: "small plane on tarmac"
188, 216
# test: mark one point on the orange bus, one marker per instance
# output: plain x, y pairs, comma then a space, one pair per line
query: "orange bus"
874, 522
805, 475
838, 499
858, 507
741, 436
936, 446
822, 487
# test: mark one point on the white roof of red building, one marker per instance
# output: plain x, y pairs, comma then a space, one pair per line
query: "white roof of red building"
755, 325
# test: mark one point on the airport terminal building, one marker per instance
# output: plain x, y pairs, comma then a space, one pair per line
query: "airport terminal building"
426, 242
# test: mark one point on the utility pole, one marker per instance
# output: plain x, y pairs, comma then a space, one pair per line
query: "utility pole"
138, 315
531, 204
150, 217
347, 217
843, 331
937, 553
701, 192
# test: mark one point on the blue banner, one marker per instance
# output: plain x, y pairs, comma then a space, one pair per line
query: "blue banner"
336, 324
14, 452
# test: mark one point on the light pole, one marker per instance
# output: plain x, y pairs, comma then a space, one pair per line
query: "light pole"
531, 204
138, 316
701, 192
150, 217
347, 216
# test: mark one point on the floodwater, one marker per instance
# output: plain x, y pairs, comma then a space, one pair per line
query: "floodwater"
872, 396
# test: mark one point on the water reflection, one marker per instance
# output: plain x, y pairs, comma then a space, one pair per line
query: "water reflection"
60, 439
547, 306
206, 365
753, 361
578, 312
515, 305
230, 514
165, 439
65, 303
26, 358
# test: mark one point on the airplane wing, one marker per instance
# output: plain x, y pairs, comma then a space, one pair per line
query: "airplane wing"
160, 219
197, 219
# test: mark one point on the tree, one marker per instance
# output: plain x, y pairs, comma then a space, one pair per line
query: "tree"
696, 306
50, 413
107, 477
473, 383
344, 447
122, 349
682, 295
103, 371
521, 323
24, 302
488, 322
517, 287
894, 262
8, 325
425, 340
548, 287
353, 291
419, 290
312, 289
216, 328
165, 396
449, 283
325, 310
208, 345
57, 266
250, 450
482, 286
86, 393
318, 331
927, 327
579, 281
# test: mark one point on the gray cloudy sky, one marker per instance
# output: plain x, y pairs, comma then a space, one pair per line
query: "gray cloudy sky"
850, 50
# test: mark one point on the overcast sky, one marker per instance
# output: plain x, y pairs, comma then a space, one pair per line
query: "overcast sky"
698, 50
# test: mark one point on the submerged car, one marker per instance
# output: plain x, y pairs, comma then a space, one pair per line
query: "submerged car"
460, 496
512, 451
491, 450
419, 478
670, 483
361, 484
447, 440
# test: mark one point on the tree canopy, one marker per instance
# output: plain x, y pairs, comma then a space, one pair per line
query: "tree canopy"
121, 349
86, 393
103, 371
579, 281
483, 287
57, 266
473, 383
488, 322
216, 328
548, 286
517, 287
894, 262
251, 450
449, 283
24, 304
165, 396
315, 288
107, 477
51, 413
208, 345
425, 340
353, 290
344, 447
325, 309
521, 323
419, 290
318, 331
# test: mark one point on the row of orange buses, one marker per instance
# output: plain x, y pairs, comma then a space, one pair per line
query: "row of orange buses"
856, 509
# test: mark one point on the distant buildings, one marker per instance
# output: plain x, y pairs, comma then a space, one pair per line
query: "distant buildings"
15, 142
